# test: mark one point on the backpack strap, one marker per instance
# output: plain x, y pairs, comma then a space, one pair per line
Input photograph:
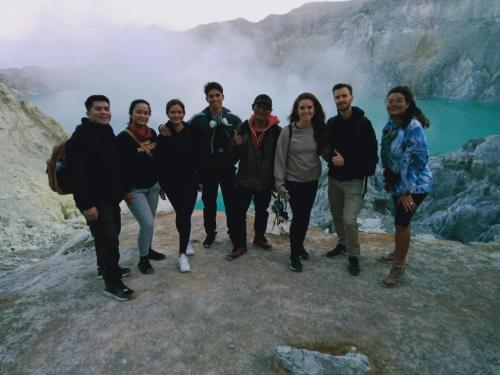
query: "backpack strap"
144, 148
290, 127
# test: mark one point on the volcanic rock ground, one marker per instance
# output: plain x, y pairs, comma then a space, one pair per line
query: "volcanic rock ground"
227, 317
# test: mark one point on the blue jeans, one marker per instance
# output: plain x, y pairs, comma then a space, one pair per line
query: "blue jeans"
143, 207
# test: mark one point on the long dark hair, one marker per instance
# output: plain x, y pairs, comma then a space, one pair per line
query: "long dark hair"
318, 120
132, 106
413, 110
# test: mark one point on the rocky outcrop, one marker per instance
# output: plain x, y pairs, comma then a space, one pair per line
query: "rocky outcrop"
228, 317
442, 49
464, 203
32, 217
302, 361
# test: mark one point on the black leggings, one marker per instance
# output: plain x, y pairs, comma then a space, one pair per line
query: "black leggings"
183, 198
302, 195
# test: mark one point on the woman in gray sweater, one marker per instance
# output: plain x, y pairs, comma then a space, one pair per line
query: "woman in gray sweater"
297, 168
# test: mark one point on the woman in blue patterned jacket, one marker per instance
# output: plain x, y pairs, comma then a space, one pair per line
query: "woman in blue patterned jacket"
406, 174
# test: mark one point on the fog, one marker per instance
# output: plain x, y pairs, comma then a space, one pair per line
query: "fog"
158, 65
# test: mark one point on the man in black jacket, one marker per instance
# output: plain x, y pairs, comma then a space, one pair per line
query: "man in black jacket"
353, 150
93, 157
213, 128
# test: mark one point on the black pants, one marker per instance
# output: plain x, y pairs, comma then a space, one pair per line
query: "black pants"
105, 231
183, 198
243, 198
209, 198
302, 195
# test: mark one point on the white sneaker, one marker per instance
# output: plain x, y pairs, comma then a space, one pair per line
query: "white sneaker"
189, 249
184, 264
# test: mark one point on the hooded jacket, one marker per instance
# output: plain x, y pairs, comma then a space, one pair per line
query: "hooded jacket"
256, 167
354, 138
93, 155
212, 142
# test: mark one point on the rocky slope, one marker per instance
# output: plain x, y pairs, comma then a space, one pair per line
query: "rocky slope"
229, 317
32, 217
463, 205
444, 48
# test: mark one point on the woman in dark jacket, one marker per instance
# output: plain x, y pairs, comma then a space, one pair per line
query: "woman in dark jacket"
137, 144
177, 158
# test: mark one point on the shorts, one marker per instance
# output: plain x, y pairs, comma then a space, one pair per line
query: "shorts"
402, 218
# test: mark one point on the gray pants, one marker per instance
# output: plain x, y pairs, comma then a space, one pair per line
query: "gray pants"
345, 199
143, 207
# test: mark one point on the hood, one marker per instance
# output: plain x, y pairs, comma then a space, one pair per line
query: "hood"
357, 114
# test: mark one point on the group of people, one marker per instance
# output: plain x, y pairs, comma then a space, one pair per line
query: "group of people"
249, 161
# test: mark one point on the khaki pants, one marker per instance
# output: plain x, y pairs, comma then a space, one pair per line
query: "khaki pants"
345, 199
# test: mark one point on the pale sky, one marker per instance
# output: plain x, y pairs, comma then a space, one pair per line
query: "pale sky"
21, 19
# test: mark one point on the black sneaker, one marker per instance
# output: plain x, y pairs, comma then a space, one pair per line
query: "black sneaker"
209, 240
125, 288
144, 266
155, 255
304, 255
354, 266
295, 265
124, 272
119, 292
338, 250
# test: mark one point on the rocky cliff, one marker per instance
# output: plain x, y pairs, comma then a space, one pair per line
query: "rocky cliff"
31, 215
444, 48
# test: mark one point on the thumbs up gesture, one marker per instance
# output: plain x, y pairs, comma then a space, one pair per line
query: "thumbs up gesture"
337, 159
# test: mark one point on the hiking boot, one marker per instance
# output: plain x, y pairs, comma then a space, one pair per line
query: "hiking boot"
336, 251
388, 259
144, 266
262, 243
183, 263
209, 240
354, 266
124, 272
394, 276
155, 255
236, 253
119, 291
295, 264
189, 249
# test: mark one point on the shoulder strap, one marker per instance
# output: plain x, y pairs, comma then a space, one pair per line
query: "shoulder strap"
144, 148
290, 127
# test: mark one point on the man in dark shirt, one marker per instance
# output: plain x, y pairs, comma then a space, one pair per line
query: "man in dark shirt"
353, 150
93, 156
214, 127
